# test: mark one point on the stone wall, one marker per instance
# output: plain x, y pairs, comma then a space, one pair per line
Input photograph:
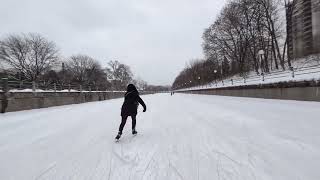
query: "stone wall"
303, 91
17, 101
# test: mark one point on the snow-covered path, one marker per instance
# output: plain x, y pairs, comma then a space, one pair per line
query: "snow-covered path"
186, 137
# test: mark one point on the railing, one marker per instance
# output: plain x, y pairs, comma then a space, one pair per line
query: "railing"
7, 85
25, 86
275, 76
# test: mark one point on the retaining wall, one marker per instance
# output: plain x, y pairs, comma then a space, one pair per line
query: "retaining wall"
17, 101
287, 91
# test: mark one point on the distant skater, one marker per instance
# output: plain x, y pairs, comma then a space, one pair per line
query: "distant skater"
129, 108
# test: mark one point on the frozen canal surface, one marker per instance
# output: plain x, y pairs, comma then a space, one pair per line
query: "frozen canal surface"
186, 137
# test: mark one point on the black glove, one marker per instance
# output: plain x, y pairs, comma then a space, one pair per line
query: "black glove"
145, 109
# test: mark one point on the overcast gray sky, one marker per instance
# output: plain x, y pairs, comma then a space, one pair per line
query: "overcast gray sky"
154, 37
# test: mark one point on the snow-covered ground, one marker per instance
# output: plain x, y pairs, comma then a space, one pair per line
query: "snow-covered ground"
305, 69
180, 137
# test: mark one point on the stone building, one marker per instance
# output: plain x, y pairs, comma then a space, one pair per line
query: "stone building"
303, 28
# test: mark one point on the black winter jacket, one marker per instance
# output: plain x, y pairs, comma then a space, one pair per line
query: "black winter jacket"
131, 103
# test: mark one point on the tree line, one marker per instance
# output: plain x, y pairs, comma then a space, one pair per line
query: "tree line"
31, 57
247, 35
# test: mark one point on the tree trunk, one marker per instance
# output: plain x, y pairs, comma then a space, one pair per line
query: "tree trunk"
284, 51
274, 55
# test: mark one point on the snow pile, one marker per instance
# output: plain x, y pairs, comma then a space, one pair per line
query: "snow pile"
25, 90
57, 91
180, 137
67, 90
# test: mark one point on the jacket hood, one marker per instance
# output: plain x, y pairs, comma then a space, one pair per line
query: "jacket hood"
131, 91
131, 88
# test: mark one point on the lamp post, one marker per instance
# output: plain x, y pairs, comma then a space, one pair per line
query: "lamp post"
261, 53
221, 75
215, 76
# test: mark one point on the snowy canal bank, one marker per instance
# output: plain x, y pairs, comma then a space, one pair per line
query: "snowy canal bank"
180, 137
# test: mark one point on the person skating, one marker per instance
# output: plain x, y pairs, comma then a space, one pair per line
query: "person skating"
129, 108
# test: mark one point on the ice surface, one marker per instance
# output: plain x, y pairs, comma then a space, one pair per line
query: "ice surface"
180, 137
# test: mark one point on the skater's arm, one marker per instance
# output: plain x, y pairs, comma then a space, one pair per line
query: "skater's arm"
142, 103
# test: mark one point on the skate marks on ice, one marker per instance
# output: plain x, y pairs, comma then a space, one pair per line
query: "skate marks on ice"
133, 158
90, 162
210, 138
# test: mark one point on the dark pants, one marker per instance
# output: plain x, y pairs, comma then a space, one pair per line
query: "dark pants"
124, 120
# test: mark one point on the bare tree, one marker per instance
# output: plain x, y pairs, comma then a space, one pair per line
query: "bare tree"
273, 25
86, 71
120, 74
141, 84
231, 44
30, 55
